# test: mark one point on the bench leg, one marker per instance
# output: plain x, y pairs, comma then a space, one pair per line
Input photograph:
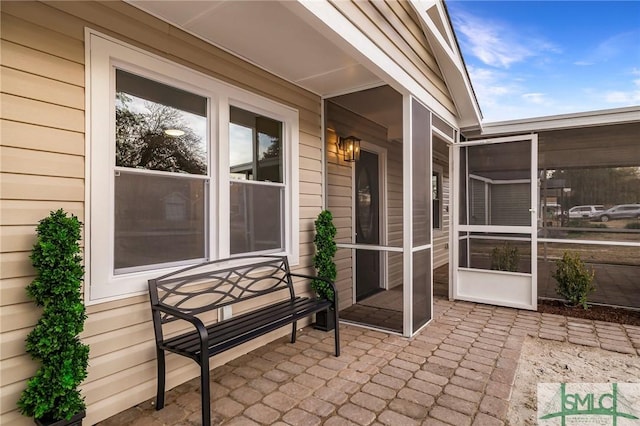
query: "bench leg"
294, 329
337, 331
205, 391
161, 378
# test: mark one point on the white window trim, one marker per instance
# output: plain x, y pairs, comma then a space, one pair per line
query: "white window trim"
101, 53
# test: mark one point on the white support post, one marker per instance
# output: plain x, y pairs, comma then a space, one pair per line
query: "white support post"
407, 218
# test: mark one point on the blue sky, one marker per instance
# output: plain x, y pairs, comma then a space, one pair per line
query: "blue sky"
536, 58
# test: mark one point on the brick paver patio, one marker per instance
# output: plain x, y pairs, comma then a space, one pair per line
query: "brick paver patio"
459, 370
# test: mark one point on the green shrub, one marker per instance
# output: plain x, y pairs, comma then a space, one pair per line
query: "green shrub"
53, 392
505, 258
575, 280
325, 244
575, 223
585, 224
632, 225
598, 225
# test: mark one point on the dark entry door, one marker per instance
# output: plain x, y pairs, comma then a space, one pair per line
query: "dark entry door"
367, 193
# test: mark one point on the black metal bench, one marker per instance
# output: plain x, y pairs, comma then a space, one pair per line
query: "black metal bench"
203, 290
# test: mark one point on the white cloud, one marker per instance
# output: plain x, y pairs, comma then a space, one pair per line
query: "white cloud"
613, 47
535, 98
630, 97
495, 44
490, 85
616, 45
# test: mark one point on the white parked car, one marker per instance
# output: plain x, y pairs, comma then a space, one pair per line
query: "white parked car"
579, 212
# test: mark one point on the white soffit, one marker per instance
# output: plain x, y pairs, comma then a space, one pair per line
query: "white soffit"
269, 35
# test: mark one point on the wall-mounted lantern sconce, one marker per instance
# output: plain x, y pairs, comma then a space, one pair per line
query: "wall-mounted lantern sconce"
350, 147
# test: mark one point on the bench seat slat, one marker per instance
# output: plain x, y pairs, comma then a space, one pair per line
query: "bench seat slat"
223, 330
229, 333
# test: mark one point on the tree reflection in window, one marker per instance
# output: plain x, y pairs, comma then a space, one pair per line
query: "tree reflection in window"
159, 127
158, 218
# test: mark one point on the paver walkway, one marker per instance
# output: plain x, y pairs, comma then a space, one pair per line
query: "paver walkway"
459, 370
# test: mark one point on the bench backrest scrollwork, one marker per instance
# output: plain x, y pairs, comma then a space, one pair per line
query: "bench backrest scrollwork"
216, 284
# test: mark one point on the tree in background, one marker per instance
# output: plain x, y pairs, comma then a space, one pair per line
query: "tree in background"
607, 186
141, 141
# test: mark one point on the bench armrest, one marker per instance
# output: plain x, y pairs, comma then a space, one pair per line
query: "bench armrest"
195, 321
313, 277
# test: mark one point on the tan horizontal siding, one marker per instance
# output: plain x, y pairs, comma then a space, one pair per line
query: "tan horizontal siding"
25, 33
16, 317
109, 363
313, 165
13, 291
307, 200
32, 111
13, 342
11, 369
388, 37
417, 54
8, 399
29, 212
309, 176
15, 265
404, 19
117, 318
344, 279
16, 238
31, 187
309, 148
308, 250
310, 188
40, 63
43, 124
20, 83
30, 162
14, 417
37, 138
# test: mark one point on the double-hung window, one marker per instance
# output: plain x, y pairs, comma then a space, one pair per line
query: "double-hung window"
161, 175
256, 182
182, 168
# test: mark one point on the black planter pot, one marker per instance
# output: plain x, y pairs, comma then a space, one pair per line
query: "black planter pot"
325, 321
73, 421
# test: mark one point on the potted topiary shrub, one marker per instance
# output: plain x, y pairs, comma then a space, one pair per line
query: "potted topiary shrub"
325, 244
575, 280
52, 396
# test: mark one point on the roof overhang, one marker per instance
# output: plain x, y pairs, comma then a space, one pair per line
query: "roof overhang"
273, 36
441, 37
312, 45
557, 122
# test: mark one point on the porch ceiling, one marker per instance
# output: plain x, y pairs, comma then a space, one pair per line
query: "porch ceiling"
270, 35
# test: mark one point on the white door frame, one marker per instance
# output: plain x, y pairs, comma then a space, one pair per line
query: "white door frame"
513, 289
